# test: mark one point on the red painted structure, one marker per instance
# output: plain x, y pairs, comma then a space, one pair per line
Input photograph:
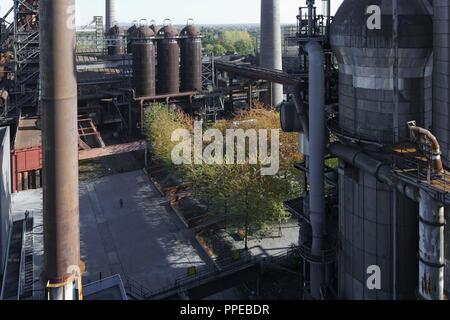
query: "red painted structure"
26, 158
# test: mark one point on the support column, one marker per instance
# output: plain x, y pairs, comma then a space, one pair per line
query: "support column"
317, 145
62, 273
431, 248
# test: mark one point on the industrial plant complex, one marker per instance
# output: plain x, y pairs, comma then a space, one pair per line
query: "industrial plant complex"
91, 209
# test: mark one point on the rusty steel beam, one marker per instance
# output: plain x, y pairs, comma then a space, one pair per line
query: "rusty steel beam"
259, 73
164, 96
60, 150
112, 150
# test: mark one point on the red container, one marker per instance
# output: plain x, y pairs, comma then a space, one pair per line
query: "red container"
26, 166
26, 157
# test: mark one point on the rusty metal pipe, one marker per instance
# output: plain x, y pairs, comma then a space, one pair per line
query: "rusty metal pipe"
60, 150
422, 135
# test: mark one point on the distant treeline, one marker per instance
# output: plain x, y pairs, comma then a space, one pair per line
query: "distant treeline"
221, 40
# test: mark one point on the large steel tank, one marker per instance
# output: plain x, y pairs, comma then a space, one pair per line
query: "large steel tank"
115, 41
144, 62
191, 58
366, 111
366, 209
153, 26
366, 65
441, 74
441, 98
168, 69
131, 34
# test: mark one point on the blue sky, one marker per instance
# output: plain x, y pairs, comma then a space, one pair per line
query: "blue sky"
202, 11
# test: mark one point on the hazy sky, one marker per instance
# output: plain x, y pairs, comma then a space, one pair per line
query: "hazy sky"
202, 11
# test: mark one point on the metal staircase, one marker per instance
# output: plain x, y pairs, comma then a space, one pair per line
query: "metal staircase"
26, 53
27, 269
20, 39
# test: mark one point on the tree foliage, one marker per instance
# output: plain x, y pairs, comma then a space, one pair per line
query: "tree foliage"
229, 42
239, 192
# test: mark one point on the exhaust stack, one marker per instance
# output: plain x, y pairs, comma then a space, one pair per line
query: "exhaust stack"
60, 150
270, 52
110, 14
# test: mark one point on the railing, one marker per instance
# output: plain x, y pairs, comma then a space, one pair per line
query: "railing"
283, 258
135, 289
324, 257
375, 137
415, 169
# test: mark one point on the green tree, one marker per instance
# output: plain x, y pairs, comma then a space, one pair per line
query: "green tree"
238, 192
228, 41
244, 47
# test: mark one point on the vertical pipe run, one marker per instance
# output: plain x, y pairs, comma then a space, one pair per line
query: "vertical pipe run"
60, 149
317, 141
394, 244
431, 248
310, 4
270, 52
110, 14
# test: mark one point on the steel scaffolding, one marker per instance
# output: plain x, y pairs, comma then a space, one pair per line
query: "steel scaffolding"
19, 46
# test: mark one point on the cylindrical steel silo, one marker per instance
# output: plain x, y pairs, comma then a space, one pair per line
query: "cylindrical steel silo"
131, 33
366, 64
441, 75
144, 62
168, 70
366, 211
191, 58
153, 26
115, 41
367, 112
441, 96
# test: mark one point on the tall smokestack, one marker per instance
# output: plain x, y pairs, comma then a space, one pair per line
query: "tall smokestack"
60, 150
110, 14
270, 52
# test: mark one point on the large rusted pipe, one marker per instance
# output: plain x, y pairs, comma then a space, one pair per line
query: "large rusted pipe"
60, 150
423, 136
